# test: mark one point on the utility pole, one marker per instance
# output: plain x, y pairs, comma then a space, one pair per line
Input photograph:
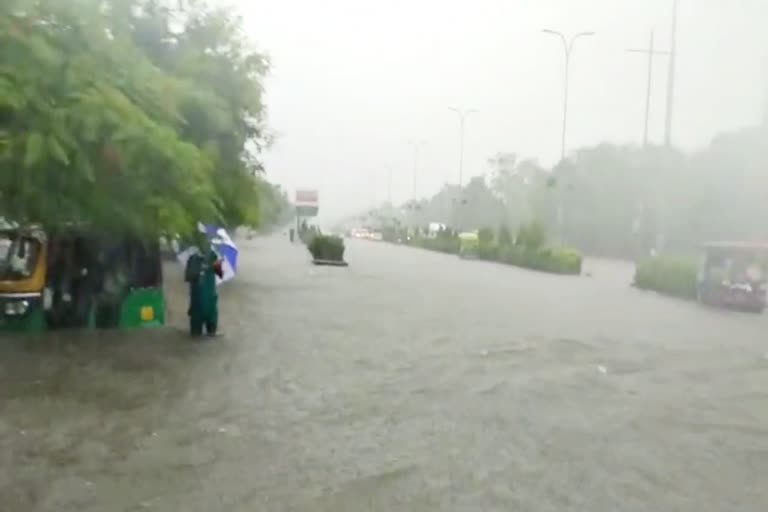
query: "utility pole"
671, 76
660, 201
651, 52
389, 184
568, 48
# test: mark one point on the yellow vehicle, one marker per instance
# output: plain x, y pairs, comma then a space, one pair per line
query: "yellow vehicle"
76, 280
469, 245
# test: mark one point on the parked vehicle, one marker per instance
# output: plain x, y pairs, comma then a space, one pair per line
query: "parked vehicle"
734, 275
75, 279
469, 245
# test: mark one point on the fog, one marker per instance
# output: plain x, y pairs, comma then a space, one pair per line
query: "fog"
352, 82
555, 334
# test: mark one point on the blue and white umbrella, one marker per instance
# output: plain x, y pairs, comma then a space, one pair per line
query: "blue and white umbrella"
222, 243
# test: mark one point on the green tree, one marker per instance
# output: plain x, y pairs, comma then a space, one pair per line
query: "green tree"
127, 115
511, 181
531, 236
224, 112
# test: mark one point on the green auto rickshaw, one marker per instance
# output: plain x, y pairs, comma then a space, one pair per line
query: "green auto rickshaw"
469, 245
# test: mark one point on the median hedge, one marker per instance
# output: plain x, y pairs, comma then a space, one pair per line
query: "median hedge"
327, 248
667, 274
555, 260
444, 244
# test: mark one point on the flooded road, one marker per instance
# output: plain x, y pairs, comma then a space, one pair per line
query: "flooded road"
409, 381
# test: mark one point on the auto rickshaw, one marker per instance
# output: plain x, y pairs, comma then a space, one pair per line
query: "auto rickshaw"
469, 245
76, 280
734, 275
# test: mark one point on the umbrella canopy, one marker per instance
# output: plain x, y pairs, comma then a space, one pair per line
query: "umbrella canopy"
223, 245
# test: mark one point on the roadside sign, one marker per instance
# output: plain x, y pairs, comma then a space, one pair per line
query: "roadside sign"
307, 204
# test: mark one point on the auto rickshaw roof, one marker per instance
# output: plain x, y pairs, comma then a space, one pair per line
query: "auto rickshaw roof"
27, 231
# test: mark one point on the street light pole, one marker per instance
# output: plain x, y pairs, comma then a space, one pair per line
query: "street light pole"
568, 48
463, 115
651, 52
671, 78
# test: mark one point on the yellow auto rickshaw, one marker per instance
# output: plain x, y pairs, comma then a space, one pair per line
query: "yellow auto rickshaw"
73, 279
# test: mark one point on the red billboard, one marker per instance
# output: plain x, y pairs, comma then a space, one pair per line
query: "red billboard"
306, 197
306, 202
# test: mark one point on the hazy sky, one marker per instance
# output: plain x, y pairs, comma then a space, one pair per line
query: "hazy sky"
354, 80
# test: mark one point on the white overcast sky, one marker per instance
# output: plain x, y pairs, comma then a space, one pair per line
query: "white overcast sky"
352, 81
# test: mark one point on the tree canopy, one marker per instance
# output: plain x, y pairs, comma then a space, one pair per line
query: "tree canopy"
133, 115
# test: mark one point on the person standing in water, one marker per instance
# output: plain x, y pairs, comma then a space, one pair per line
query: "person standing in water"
201, 271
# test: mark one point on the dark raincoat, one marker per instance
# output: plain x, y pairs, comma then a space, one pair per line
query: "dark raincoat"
200, 273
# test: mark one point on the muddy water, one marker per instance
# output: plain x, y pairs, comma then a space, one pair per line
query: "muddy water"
409, 381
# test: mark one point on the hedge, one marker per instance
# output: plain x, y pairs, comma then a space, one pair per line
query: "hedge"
440, 244
552, 259
670, 275
329, 248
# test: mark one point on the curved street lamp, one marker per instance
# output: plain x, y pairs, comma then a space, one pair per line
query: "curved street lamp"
568, 48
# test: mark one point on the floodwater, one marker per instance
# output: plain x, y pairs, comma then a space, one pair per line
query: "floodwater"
409, 381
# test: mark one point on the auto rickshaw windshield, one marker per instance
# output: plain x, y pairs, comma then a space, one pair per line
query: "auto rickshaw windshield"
18, 256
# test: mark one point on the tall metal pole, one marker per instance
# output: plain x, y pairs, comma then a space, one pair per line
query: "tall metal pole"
567, 48
463, 115
389, 184
651, 52
461, 150
671, 77
565, 100
660, 202
415, 169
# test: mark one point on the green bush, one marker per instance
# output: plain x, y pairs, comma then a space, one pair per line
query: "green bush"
441, 244
564, 261
554, 260
671, 275
485, 236
327, 247
488, 252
